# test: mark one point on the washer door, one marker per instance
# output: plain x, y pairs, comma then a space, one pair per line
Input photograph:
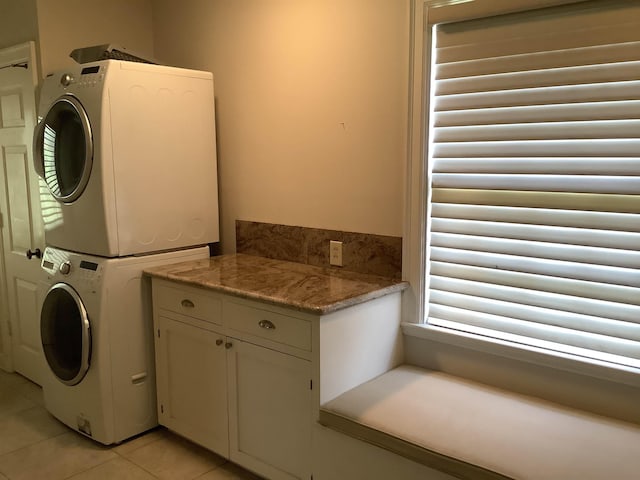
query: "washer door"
63, 149
66, 334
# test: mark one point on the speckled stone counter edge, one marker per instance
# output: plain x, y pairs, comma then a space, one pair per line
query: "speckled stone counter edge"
283, 293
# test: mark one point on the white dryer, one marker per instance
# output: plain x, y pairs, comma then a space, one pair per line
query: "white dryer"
97, 335
127, 151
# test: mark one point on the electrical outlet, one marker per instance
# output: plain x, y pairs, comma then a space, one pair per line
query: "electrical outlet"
335, 253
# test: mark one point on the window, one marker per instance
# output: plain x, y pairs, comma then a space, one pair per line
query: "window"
533, 218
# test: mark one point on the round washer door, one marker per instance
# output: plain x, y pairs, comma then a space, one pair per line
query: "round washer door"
66, 334
63, 149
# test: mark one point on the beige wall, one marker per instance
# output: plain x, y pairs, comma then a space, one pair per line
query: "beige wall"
311, 102
17, 22
311, 95
68, 24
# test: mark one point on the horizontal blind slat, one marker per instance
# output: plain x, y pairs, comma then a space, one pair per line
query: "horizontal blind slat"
544, 148
524, 264
541, 165
555, 345
541, 233
577, 23
599, 92
559, 130
627, 109
602, 314
543, 29
590, 55
532, 281
628, 259
545, 77
546, 332
552, 315
548, 183
624, 222
624, 204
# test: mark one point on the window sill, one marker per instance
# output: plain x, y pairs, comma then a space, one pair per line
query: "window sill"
470, 430
537, 356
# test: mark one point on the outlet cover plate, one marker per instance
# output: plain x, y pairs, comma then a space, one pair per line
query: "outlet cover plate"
335, 253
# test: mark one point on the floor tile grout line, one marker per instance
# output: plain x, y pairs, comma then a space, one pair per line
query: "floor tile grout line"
30, 397
214, 468
136, 464
18, 412
129, 452
87, 469
12, 452
160, 478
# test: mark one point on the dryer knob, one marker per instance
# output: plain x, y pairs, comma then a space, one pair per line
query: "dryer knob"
65, 268
66, 79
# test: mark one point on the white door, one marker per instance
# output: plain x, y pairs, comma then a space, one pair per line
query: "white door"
21, 217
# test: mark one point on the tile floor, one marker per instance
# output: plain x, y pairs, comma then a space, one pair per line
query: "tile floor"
35, 446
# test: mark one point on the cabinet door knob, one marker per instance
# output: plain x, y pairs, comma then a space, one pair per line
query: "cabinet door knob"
219, 342
228, 345
267, 324
186, 303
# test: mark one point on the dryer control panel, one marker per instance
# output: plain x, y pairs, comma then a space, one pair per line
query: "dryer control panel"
89, 77
67, 265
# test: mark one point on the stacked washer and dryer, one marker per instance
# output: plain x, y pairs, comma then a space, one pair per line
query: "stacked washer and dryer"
127, 152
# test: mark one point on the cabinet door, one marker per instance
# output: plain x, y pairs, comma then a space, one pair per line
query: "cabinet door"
192, 383
269, 411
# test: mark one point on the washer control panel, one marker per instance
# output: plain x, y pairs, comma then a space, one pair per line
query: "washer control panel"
83, 269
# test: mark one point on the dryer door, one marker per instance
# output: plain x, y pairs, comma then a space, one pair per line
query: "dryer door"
63, 148
66, 334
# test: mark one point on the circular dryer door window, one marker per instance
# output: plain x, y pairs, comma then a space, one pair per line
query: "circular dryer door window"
64, 148
66, 334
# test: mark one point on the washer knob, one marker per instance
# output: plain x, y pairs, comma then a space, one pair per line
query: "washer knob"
66, 79
65, 268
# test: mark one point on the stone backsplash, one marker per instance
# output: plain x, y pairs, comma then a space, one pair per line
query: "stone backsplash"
362, 252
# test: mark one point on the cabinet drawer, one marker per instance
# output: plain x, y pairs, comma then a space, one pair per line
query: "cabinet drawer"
269, 325
191, 302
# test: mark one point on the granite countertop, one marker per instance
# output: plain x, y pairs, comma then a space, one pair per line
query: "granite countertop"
303, 287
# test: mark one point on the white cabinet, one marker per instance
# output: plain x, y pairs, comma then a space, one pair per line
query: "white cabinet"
192, 383
191, 372
235, 378
246, 378
269, 411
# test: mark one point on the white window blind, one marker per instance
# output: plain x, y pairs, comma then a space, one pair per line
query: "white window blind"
534, 232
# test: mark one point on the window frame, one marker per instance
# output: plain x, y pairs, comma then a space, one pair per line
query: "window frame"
424, 14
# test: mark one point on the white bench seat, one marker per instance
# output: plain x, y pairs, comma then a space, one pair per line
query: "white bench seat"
473, 431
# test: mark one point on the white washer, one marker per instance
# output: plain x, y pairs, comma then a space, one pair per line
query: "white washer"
127, 151
97, 335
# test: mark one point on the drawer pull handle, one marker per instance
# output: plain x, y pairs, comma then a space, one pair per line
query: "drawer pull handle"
186, 303
228, 345
219, 342
138, 378
266, 324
